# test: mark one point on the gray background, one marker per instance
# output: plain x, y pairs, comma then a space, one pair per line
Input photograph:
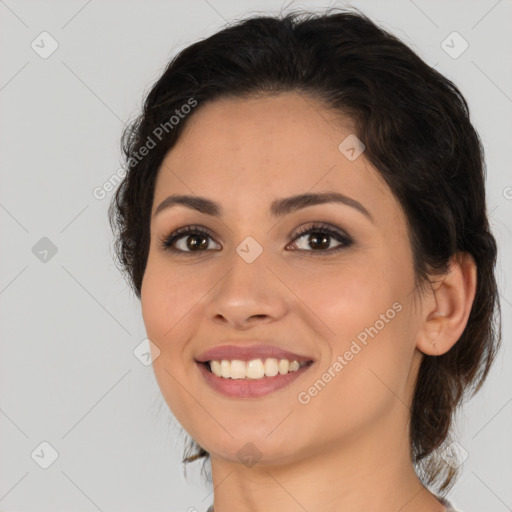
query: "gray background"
69, 324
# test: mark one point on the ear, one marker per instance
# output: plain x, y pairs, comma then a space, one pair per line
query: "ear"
446, 310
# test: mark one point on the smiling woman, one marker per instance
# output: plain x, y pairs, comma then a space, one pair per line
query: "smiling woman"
316, 223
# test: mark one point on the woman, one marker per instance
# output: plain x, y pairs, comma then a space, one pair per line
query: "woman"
304, 221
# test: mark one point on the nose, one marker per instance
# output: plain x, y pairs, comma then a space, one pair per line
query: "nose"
248, 294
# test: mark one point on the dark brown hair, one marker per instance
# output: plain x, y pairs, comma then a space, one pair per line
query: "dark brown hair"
416, 127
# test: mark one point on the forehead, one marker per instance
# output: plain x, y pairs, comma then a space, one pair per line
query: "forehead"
264, 148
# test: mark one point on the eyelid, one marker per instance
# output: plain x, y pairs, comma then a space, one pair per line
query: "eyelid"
331, 230
345, 240
166, 240
319, 226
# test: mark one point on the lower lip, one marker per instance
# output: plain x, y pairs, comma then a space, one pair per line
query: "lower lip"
250, 388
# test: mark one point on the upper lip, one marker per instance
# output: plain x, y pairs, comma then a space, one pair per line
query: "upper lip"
249, 352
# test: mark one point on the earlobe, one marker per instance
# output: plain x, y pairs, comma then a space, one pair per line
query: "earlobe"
446, 315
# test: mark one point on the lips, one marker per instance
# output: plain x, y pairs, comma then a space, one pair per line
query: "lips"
247, 353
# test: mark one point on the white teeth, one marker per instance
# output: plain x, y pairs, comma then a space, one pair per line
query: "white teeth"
294, 366
215, 367
238, 369
253, 369
271, 367
224, 369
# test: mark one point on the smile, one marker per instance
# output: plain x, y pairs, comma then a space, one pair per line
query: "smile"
251, 379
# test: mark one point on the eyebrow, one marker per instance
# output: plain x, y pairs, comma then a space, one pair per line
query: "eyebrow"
278, 207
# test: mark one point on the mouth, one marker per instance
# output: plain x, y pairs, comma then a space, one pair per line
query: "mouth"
240, 379
254, 369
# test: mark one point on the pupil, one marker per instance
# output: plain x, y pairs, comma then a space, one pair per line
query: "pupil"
324, 243
192, 242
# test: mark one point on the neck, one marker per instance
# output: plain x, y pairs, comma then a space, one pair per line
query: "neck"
370, 471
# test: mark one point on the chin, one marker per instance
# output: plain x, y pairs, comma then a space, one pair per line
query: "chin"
254, 449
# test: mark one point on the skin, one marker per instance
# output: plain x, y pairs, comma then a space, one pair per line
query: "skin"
347, 449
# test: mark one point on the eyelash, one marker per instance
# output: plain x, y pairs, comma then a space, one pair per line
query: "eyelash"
316, 227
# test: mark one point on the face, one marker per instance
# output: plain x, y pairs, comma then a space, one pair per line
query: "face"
342, 298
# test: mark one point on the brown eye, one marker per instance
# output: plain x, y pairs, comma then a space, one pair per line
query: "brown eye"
195, 239
320, 237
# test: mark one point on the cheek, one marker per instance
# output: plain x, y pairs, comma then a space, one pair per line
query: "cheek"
154, 304
366, 309
166, 297
348, 299
166, 312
